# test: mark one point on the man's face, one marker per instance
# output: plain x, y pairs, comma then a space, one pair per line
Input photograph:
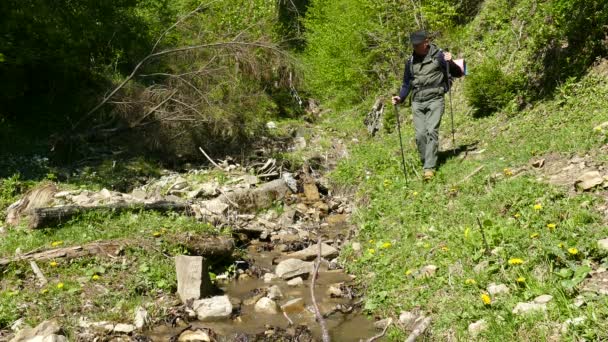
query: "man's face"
421, 48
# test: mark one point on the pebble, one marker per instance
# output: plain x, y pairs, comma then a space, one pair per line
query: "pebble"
267, 306
478, 327
494, 289
524, 308
544, 299
296, 282
274, 293
269, 277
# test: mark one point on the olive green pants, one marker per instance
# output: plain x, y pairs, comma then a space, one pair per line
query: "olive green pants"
427, 118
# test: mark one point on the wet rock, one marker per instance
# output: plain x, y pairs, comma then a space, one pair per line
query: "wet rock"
193, 280
603, 245
253, 299
495, 290
269, 277
142, 318
292, 268
274, 293
124, 328
525, 308
293, 306
47, 331
295, 282
407, 319
310, 253
544, 299
478, 327
589, 180
267, 306
214, 308
334, 291
194, 336
572, 322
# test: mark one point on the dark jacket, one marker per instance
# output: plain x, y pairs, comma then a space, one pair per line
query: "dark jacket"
425, 76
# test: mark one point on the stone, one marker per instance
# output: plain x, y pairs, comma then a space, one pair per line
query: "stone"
216, 207
525, 308
253, 299
334, 291
295, 282
495, 290
481, 266
407, 319
292, 268
478, 327
267, 306
603, 245
212, 309
381, 324
291, 182
142, 319
544, 299
572, 322
139, 194
271, 125
45, 331
293, 306
299, 143
124, 328
269, 277
336, 219
274, 293
589, 180
193, 280
310, 253
287, 218
194, 336
356, 247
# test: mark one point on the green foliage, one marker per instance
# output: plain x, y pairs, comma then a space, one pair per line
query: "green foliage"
488, 88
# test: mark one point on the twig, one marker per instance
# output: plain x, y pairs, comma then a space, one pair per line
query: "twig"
39, 274
419, 330
483, 236
155, 108
177, 23
372, 339
228, 198
320, 319
209, 158
476, 171
288, 319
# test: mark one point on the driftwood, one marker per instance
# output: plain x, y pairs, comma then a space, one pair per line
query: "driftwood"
111, 248
419, 330
41, 278
53, 216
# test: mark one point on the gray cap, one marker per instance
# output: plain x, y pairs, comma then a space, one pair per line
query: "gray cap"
418, 37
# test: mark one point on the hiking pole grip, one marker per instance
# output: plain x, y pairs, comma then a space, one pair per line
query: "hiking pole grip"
400, 142
447, 67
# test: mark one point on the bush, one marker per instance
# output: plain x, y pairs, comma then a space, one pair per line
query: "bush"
488, 88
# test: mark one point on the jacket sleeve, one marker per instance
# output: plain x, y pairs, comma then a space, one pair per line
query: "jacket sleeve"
443, 64
407, 80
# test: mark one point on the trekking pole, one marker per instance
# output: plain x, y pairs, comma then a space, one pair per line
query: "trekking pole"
401, 143
447, 66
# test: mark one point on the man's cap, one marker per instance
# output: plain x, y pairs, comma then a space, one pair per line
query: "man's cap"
418, 37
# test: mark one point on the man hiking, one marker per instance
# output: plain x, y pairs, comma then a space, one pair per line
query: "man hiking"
426, 78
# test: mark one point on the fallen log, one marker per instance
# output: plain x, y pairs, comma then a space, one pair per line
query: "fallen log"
53, 216
207, 246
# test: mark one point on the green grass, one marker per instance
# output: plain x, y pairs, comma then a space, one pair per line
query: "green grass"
436, 223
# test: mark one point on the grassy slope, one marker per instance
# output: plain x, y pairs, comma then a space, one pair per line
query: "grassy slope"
436, 223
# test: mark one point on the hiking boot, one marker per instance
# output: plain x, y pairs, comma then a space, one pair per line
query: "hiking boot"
428, 175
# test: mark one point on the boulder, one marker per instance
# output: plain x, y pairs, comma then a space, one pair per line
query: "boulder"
269, 277
124, 328
292, 268
193, 280
194, 336
274, 293
212, 309
589, 180
47, 331
310, 253
141, 318
267, 306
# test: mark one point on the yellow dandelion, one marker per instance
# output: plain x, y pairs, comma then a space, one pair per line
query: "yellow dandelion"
521, 280
415, 193
485, 298
507, 172
427, 245
597, 128
573, 251
538, 207
467, 230
60, 286
53, 263
386, 245
43, 291
518, 215
470, 281
371, 251
551, 226
561, 245
445, 248
515, 261
409, 271
534, 235
371, 241
95, 277
156, 234
56, 243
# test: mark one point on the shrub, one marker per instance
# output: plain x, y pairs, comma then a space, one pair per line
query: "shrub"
488, 88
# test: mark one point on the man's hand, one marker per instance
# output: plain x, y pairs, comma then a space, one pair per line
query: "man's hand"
396, 99
447, 56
